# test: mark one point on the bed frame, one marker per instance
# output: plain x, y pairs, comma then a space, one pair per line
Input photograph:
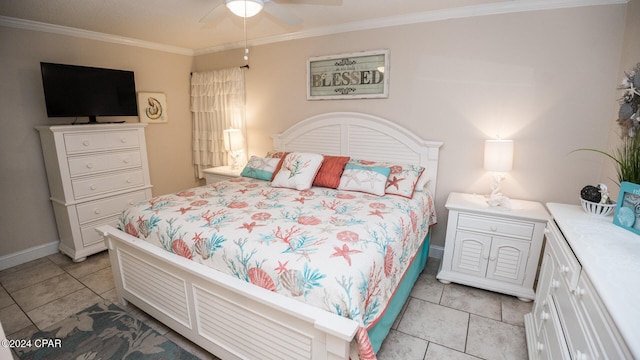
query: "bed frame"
237, 320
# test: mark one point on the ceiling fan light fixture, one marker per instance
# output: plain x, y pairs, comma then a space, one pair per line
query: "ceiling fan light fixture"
238, 7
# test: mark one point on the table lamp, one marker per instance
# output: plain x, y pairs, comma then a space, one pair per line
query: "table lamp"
498, 158
233, 143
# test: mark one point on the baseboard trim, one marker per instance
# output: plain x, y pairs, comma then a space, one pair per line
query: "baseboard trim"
436, 252
23, 256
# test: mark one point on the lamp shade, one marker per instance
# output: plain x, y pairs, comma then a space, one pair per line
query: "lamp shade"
498, 155
244, 8
233, 140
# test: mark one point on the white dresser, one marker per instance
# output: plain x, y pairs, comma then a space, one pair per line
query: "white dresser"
94, 173
493, 248
586, 306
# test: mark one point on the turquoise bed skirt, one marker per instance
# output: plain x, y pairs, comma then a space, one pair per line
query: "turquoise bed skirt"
379, 332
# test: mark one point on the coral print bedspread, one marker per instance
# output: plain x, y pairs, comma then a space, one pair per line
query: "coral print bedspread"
341, 251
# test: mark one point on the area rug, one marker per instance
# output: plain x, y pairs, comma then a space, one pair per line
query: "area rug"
102, 331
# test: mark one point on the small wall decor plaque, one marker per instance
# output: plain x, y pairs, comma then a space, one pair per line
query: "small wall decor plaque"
627, 213
360, 75
152, 107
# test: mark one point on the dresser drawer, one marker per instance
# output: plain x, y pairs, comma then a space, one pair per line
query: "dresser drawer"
566, 263
85, 165
97, 141
89, 234
578, 339
551, 344
99, 209
112, 182
598, 321
497, 226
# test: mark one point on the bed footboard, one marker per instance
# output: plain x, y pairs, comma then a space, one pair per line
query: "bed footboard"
224, 315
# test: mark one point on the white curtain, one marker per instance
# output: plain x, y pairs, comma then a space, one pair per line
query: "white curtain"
217, 103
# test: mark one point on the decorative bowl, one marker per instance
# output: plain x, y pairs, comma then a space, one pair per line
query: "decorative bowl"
597, 208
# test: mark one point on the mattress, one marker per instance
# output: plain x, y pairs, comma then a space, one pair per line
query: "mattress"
342, 251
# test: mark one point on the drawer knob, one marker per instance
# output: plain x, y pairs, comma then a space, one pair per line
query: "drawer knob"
578, 292
126, 161
131, 202
89, 166
129, 181
555, 284
564, 269
123, 140
544, 316
580, 355
494, 228
540, 347
92, 187
97, 211
85, 143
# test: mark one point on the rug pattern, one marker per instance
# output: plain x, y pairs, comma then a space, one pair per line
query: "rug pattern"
102, 331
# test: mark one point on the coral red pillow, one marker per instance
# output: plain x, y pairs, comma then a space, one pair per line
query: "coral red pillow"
330, 171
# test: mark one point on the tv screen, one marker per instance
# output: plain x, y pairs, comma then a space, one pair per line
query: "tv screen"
74, 91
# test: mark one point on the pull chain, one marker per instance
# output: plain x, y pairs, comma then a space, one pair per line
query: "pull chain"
246, 48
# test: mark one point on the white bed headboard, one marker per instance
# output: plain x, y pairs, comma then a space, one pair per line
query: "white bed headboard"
361, 136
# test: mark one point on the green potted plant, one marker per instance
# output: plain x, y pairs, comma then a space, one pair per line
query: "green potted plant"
627, 155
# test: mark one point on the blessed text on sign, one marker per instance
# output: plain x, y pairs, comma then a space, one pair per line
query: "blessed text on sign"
358, 75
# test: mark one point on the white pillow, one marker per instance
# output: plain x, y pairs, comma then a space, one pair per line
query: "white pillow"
368, 179
297, 171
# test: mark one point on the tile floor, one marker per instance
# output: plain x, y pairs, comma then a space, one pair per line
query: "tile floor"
438, 322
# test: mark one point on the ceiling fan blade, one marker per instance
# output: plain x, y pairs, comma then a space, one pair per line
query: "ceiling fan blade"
310, 2
282, 14
218, 11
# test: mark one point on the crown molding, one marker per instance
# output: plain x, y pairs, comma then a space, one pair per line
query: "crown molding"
513, 6
92, 35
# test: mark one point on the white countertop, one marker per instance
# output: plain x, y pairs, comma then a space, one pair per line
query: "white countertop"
519, 208
610, 256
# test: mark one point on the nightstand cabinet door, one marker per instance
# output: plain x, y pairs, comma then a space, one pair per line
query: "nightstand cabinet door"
471, 253
508, 260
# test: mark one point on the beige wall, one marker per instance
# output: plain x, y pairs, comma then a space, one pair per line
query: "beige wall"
26, 215
545, 79
630, 57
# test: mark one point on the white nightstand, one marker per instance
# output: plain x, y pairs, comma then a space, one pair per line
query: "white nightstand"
220, 173
493, 248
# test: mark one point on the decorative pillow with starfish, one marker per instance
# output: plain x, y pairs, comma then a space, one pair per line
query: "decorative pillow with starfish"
403, 179
368, 179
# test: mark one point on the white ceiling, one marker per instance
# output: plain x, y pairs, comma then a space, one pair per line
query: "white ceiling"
190, 26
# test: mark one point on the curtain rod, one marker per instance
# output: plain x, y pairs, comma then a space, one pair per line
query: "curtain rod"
241, 67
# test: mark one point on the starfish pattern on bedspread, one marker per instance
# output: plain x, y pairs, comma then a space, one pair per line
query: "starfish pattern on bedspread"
344, 252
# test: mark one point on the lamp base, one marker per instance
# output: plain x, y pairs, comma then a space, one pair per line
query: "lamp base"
499, 200
235, 155
496, 198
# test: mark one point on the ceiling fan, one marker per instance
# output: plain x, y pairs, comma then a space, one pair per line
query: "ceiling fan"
275, 8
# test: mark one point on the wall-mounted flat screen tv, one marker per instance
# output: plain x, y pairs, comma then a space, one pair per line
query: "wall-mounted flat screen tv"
78, 91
